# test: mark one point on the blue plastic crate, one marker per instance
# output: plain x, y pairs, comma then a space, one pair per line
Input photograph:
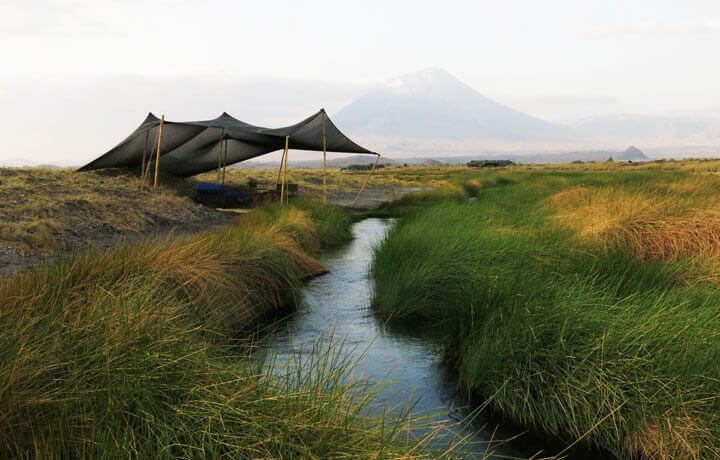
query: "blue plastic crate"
210, 189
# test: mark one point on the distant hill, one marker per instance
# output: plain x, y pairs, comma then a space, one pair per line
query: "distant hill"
17, 163
332, 163
25, 163
632, 153
629, 154
434, 104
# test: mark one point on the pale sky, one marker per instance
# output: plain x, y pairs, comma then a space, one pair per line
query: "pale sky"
93, 69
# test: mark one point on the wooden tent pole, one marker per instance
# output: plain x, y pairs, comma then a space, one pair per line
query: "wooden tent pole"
157, 157
222, 134
367, 178
282, 163
142, 168
149, 162
324, 161
284, 179
224, 161
147, 168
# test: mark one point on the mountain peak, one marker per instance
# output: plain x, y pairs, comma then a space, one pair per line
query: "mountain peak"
423, 78
432, 104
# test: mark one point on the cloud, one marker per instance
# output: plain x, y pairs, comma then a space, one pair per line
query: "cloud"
51, 18
75, 120
711, 26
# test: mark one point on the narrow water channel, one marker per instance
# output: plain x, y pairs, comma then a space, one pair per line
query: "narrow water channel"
340, 301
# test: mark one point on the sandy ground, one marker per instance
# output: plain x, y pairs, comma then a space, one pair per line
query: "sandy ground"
371, 198
13, 259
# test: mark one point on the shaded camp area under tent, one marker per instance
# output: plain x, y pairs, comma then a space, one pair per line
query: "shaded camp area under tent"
193, 147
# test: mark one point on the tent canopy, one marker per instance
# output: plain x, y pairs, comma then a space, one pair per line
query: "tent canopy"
193, 147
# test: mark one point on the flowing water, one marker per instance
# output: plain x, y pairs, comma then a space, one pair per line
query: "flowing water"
340, 302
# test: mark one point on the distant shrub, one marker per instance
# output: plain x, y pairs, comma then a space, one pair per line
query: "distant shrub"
362, 167
489, 163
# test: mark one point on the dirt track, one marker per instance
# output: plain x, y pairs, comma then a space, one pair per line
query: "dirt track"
371, 198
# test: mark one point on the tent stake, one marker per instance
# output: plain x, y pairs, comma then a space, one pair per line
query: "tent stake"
284, 179
367, 178
142, 168
324, 161
157, 157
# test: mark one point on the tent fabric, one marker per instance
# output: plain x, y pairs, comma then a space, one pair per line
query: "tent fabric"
193, 147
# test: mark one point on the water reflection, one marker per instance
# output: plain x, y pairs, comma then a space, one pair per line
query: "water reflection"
340, 302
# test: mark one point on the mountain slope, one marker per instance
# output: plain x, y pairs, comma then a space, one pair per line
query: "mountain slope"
434, 104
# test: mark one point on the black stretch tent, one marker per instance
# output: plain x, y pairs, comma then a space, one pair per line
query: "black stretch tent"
193, 147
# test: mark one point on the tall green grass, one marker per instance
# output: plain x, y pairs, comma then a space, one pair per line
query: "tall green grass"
136, 353
582, 342
414, 201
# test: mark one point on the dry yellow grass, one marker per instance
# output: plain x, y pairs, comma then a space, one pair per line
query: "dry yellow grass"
688, 165
667, 219
670, 438
474, 185
39, 207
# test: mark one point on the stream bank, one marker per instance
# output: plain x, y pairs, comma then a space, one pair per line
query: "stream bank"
338, 303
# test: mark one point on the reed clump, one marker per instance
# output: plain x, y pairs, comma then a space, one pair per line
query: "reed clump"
664, 220
582, 341
472, 187
139, 351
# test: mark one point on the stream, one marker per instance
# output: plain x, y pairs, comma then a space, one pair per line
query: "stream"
412, 365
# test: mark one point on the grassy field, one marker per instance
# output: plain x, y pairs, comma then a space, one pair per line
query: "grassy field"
143, 351
311, 183
42, 210
45, 210
582, 298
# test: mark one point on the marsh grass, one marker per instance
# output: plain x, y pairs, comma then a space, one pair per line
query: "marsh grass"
591, 338
139, 352
414, 201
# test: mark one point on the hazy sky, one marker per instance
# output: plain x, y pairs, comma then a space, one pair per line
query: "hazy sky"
109, 62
